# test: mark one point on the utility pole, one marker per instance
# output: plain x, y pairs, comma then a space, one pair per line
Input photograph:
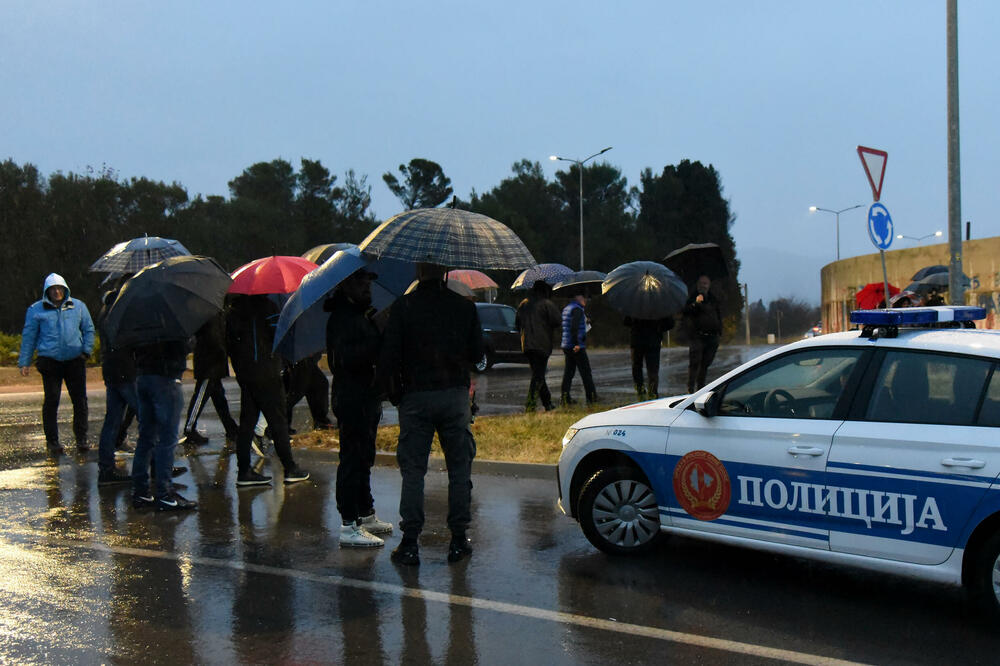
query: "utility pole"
955, 288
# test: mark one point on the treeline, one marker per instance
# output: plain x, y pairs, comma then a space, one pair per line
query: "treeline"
64, 222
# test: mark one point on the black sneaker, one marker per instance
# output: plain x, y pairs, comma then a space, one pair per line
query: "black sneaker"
110, 477
407, 553
140, 501
459, 549
252, 478
174, 471
82, 446
55, 450
194, 438
174, 502
295, 474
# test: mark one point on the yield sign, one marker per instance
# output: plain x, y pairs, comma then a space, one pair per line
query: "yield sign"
874, 163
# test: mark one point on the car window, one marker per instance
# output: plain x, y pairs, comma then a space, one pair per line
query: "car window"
507, 315
490, 318
989, 415
804, 385
914, 387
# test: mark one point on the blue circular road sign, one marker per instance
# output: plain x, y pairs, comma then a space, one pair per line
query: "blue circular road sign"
880, 226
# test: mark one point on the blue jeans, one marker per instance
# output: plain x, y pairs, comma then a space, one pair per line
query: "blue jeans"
160, 404
118, 398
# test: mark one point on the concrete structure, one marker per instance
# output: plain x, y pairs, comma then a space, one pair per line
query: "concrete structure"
840, 280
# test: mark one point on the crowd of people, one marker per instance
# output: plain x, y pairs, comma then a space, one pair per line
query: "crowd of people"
419, 357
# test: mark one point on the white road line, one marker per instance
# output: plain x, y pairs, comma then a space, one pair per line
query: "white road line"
572, 619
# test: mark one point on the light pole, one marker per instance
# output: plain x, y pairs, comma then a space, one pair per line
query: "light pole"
813, 209
920, 238
579, 165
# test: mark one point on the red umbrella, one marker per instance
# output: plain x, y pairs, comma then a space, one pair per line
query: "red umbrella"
270, 275
472, 279
872, 295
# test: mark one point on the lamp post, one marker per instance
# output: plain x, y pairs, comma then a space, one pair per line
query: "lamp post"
920, 238
579, 164
813, 209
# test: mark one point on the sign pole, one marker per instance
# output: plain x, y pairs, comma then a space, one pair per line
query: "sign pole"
885, 279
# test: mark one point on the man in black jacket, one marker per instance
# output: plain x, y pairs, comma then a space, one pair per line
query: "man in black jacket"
432, 339
704, 320
210, 366
118, 371
537, 317
353, 343
645, 339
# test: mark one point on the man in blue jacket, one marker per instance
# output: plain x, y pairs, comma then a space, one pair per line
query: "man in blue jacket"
574, 346
60, 329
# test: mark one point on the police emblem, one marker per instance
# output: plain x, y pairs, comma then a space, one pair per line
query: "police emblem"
701, 485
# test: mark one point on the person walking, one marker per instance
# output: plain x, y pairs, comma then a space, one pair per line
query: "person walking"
537, 317
574, 347
210, 366
250, 326
353, 342
645, 338
432, 340
703, 318
158, 367
118, 372
60, 329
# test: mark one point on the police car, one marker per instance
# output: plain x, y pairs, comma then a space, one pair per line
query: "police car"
878, 448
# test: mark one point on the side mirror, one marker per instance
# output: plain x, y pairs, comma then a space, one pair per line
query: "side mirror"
706, 404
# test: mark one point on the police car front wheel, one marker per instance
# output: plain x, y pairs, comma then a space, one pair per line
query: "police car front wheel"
618, 511
985, 583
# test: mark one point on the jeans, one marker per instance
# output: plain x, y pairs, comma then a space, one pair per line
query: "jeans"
421, 413
54, 373
537, 387
651, 357
357, 420
580, 360
160, 403
701, 353
119, 398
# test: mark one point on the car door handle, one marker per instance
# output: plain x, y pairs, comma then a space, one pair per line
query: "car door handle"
806, 451
963, 462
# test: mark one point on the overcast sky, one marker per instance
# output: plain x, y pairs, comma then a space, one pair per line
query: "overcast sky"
776, 95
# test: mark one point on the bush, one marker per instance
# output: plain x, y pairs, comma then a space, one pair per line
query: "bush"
10, 346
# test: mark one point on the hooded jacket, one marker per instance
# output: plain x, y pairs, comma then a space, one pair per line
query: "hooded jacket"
62, 332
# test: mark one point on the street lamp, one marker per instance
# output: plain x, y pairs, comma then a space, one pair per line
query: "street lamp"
813, 209
920, 238
579, 164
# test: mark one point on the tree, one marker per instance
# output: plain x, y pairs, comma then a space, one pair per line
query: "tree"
608, 227
263, 199
425, 186
353, 220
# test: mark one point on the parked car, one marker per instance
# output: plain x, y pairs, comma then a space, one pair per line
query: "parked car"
878, 449
503, 341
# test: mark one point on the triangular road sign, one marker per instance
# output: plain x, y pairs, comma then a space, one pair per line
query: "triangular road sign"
874, 163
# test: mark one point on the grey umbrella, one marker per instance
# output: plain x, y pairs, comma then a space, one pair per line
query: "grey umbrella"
449, 237
644, 290
134, 255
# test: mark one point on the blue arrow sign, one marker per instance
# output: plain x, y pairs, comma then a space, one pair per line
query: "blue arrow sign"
880, 228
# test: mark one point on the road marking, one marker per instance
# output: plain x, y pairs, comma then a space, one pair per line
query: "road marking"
573, 619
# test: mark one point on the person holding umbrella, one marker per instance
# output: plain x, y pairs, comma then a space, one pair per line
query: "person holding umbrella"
60, 329
704, 320
537, 317
574, 347
353, 344
118, 372
645, 338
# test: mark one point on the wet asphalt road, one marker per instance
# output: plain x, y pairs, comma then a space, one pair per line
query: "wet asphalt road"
256, 576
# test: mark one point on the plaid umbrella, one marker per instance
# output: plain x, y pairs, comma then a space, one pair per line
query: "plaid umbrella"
644, 290
134, 255
270, 275
449, 237
550, 273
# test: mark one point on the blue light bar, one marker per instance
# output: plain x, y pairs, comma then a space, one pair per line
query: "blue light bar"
917, 316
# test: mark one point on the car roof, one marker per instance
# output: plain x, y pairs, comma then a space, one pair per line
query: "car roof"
979, 342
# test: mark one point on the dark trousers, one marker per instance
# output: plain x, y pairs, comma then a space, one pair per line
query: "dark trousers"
538, 387
651, 357
307, 380
701, 353
54, 373
262, 394
213, 389
118, 398
160, 404
421, 414
579, 360
358, 424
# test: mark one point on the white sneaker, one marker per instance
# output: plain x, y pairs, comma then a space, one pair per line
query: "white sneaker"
357, 536
375, 526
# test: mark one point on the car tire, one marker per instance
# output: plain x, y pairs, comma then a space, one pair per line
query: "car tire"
984, 584
618, 512
484, 364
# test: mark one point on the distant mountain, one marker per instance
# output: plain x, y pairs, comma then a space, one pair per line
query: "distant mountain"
774, 273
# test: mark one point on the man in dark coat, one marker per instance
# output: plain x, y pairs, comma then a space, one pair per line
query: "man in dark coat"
118, 372
537, 318
704, 321
432, 339
210, 366
353, 342
645, 338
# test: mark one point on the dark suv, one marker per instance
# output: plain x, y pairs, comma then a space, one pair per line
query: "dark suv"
503, 342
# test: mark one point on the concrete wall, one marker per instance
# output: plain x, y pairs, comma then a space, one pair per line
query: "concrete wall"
840, 280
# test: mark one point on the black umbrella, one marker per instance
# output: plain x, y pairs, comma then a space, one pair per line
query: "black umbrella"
321, 253
645, 290
168, 300
929, 270
939, 281
696, 259
587, 283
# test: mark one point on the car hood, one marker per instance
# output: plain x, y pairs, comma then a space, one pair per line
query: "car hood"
652, 413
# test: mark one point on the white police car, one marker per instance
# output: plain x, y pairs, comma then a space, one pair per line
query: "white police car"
879, 449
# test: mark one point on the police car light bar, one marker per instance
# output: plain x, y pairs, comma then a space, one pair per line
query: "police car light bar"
918, 316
